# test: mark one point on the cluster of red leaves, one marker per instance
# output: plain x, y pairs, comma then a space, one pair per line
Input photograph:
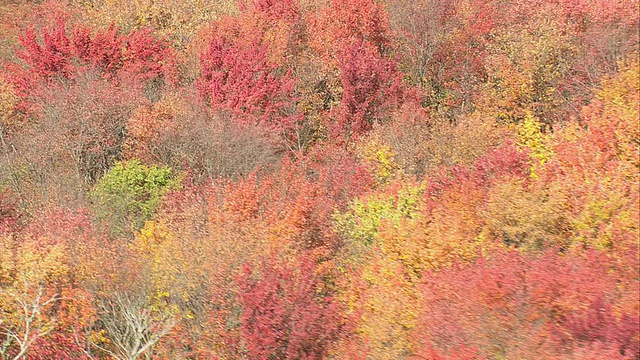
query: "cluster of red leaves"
499, 164
60, 52
527, 306
344, 23
372, 86
286, 312
74, 317
237, 77
241, 68
137, 54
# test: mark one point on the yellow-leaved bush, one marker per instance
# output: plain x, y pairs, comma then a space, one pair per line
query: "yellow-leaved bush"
530, 135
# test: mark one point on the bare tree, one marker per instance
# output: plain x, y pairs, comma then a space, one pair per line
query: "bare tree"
30, 323
132, 325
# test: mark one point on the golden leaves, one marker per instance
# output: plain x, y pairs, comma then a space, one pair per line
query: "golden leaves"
8, 102
178, 20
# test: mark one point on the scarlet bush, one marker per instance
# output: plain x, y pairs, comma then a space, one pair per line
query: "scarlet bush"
287, 313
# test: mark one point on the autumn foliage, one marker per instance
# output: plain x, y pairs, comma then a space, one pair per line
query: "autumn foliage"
287, 315
287, 179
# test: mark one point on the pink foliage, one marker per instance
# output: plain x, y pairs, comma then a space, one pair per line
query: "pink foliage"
57, 52
523, 305
237, 77
504, 162
285, 315
372, 85
105, 50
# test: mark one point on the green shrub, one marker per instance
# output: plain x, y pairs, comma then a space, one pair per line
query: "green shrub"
129, 193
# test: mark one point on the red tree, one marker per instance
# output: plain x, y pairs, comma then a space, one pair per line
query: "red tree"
285, 313
57, 52
237, 77
372, 85
526, 306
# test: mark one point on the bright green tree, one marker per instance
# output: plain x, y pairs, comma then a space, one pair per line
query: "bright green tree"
130, 193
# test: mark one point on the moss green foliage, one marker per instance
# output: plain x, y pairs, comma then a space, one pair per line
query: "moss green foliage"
364, 217
130, 193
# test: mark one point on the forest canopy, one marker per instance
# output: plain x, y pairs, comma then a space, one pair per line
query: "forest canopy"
320, 179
